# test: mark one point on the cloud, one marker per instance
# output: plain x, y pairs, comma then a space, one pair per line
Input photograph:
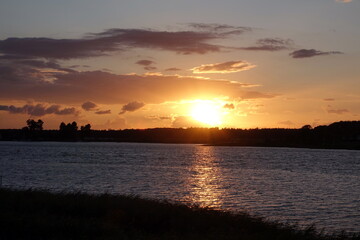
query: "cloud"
39, 110
226, 67
88, 106
305, 53
229, 106
101, 112
220, 28
329, 99
147, 64
161, 118
271, 44
131, 107
337, 111
117, 39
173, 69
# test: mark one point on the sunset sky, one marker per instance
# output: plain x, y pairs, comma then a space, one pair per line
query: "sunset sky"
163, 63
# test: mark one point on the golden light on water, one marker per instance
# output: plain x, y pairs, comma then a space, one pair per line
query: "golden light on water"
205, 178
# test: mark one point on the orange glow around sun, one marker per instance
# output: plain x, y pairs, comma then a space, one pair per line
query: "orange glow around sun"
207, 112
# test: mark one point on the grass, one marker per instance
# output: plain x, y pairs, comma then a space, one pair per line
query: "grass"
35, 214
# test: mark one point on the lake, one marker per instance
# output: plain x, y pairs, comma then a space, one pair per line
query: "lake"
302, 186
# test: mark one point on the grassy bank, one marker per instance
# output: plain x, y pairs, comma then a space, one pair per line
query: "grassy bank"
36, 214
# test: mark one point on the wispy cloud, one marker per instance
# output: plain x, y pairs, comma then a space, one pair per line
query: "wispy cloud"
102, 112
286, 123
306, 53
339, 111
222, 29
39, 110
174, 69
270, 44
226, 67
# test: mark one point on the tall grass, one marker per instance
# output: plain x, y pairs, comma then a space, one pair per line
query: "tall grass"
35, 214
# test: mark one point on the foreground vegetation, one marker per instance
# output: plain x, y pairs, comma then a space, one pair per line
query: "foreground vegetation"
34, 214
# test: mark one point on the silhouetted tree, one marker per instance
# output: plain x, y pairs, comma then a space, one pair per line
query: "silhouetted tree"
74, 126
62, 127
85, 128
306, 127
68, 131
33, 125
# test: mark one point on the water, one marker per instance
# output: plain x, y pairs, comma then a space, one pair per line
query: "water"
302, 186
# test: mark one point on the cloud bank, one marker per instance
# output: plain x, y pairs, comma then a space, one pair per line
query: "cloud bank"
23, 82
117, 39
39, 110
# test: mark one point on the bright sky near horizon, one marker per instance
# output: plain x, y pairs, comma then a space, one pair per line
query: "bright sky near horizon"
166, 63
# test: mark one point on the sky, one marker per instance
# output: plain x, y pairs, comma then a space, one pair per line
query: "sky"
165, 63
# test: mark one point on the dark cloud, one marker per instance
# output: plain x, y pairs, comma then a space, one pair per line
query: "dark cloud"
88, 106
271, 44
57, 48
173, 69
31, 71
226, 67
103, 112
131, 107
145, 62
329, 99
39, 110
229, 106
99, 44
305, 53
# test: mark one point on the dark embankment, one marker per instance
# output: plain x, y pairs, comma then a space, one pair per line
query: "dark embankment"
43, 215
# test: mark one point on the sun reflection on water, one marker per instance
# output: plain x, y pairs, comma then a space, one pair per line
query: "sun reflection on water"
204, 180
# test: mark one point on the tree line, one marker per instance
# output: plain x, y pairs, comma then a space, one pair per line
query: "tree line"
344, 134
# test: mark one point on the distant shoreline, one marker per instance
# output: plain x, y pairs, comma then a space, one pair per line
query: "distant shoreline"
338, 135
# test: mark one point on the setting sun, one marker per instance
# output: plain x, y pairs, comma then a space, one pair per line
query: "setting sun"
207, 112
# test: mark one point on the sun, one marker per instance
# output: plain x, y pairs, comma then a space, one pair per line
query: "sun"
207, 112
